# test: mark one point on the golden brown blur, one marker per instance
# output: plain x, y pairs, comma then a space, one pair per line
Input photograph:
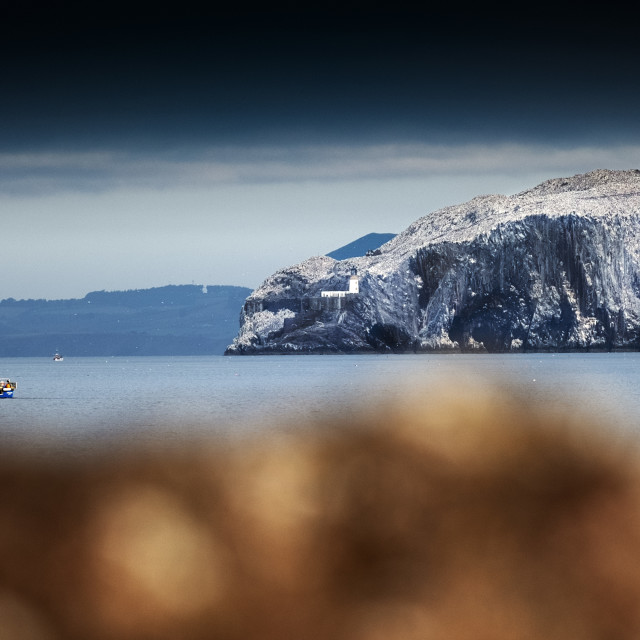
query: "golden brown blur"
479, 518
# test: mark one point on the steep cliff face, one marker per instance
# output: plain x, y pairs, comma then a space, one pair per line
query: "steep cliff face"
556, 267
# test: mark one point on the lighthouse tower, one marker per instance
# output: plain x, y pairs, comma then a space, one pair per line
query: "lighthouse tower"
354, 282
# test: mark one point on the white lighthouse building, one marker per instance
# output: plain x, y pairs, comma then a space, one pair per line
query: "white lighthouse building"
354, 287
354, 283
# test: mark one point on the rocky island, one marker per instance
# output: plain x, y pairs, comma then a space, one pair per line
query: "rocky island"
553, 268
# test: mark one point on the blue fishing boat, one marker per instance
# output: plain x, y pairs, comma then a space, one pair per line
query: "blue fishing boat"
6, 388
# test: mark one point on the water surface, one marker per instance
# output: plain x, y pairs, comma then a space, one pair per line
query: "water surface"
168, 396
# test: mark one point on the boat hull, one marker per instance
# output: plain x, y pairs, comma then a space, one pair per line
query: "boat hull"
6, 393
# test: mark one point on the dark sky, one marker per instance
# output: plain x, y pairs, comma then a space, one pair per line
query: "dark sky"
118, 75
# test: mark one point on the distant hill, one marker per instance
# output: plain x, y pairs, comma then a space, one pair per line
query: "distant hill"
361, 246
171, 320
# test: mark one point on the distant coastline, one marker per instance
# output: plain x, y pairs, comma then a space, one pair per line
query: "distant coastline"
170, 320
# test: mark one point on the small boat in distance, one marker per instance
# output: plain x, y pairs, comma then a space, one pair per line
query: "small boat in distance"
57, 357
7, 388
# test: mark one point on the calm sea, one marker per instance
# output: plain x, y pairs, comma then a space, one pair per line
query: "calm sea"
81, 400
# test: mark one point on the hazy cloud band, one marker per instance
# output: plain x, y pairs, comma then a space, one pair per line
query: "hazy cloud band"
27, 174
